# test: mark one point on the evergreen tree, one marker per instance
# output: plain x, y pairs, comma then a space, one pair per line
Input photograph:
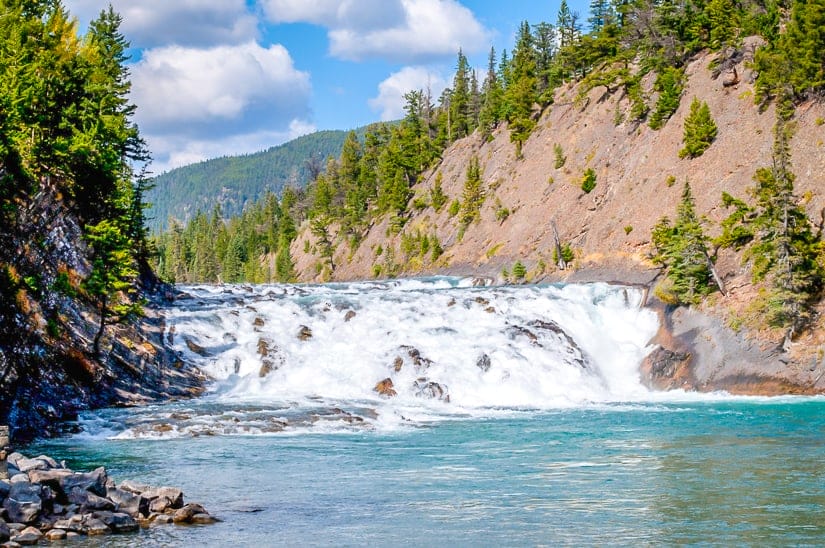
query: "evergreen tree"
520, 95
472, 198
493, 96
682, 249
460, 100
700, 130
785, 251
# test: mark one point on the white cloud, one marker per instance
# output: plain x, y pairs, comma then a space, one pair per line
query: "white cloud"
390, 100
150, 23
176, 151
191, 99
397, 30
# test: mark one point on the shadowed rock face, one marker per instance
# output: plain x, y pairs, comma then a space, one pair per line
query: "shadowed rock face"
48, 371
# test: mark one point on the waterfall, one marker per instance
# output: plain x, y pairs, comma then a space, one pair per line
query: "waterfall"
437, 344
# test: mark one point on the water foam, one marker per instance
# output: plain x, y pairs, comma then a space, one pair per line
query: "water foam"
447, 347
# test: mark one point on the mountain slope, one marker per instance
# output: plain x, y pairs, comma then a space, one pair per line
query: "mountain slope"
235, 181
639, 179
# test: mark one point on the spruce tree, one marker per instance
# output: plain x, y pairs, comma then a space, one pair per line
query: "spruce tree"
700, 130
681, 248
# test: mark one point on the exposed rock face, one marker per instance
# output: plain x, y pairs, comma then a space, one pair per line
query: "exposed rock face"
48, 371
697, 351
59, 502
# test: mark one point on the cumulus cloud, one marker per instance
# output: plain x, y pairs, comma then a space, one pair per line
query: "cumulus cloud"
149, 23
390, 100
233, 94
397, 30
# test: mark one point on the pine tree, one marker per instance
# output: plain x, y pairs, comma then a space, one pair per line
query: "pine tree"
472, 198
700, 130
460, 100
521, 93
492, 98
785, 251
682, 249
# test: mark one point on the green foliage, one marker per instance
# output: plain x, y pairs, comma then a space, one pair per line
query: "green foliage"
588, 180
567, 254
793, 62
700, 130
437, 196
560, 158
473, 195
455, 207
502, 213
519, 271
669, 84
778, 240
111, 282
628, 229
681, 248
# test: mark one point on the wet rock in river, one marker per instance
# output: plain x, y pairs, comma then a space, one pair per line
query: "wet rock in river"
414, 355
349, 315
425, 388
386, 388
195, 347
483, 362
304, 333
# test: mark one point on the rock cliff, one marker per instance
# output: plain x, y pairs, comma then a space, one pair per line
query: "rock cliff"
48, 371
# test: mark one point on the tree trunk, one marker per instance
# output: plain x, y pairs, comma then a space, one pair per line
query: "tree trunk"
560, 262
96, 346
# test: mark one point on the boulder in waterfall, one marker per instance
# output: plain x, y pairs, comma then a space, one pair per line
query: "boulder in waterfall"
304, 333
195, 348
574, 352
666, 369
185, 514
515, 331
349, 315
414, 355
88, 501
398, 363
52, 478
56, 534
425, 388
24, 502
258, 321
263, 346
386, 388
483, 362
127, 502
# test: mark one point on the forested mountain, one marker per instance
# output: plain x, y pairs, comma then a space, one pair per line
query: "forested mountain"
234, 182
592, 117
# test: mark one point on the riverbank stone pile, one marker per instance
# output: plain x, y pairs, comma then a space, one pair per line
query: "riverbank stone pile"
44, 500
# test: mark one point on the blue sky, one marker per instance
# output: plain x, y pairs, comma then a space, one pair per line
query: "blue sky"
220, 77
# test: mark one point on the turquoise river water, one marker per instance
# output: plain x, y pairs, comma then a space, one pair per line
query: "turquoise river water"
309, 455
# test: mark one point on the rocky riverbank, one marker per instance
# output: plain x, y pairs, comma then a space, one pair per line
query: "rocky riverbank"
44, 500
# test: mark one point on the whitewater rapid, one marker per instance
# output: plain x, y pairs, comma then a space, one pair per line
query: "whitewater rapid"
444, 345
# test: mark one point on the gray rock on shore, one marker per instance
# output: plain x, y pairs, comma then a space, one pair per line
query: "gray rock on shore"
45, 500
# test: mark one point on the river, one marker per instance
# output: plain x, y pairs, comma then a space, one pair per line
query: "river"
512, 416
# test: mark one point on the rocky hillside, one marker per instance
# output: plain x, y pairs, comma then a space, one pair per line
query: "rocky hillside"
48, 368
639, 179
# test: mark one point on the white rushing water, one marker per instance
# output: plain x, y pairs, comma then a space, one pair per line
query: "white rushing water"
446, 347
